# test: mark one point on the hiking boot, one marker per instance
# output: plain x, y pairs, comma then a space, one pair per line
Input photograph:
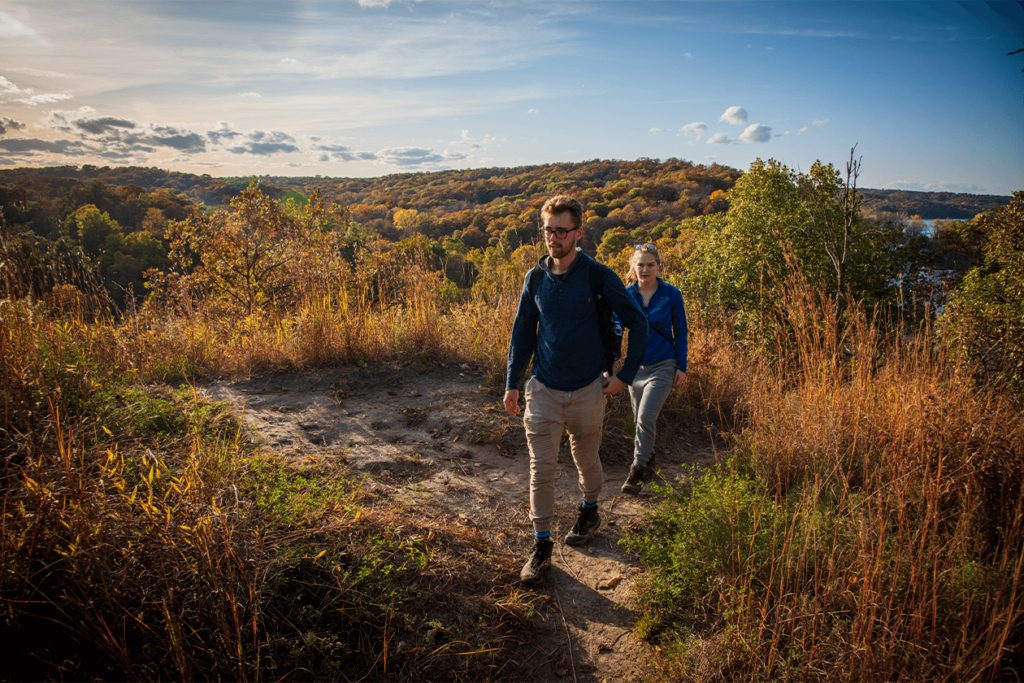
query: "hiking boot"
635, 480
649, 469
587, 522
539, 561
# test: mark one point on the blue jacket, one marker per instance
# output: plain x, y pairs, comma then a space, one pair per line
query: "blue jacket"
666, 314
559, 326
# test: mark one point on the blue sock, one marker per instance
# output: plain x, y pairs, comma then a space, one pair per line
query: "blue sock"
545, 535
588, 504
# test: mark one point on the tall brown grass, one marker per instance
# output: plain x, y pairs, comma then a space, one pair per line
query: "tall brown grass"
869, 525
142, 534
386, 306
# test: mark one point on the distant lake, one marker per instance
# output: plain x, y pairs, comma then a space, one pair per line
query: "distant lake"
929, 223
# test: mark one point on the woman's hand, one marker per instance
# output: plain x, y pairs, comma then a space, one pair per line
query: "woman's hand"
680, 378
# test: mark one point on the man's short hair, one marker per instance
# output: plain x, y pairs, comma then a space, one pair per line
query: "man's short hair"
561, 204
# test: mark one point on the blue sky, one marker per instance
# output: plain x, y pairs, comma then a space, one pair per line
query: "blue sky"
925, 90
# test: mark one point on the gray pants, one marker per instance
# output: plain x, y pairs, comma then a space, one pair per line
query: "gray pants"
648, 394
548, 413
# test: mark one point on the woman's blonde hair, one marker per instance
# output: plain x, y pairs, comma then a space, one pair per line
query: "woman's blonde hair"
649, 248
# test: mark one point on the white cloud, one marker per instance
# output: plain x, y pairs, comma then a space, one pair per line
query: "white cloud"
343, 153
49, 98
654, 130
11, 93
301, 67
381, 3
802, 131
250, 94
413, 45
10, 124
37, 72
688, 55
755, 132
412, 157
258, 143
12, 28
719, 139
735, 115
124, 139
533, 111
807, 33
819, 122
468, 140
710, 157
30, 146
782, 135
697, 128
91, 134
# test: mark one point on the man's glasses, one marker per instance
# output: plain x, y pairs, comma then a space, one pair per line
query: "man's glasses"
645, 247
560, 233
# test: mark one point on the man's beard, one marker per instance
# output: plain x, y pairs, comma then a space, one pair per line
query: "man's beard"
559, 250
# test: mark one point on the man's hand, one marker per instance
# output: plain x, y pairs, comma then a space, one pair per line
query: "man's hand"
680, 378
511, 402
614, 386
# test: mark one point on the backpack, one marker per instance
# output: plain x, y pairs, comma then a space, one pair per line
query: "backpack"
611, 332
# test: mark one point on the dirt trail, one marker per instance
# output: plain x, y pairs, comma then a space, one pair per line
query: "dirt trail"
438, 437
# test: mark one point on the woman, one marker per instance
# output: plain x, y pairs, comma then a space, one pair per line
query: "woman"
664, 363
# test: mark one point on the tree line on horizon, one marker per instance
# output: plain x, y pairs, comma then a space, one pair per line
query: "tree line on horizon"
119, 216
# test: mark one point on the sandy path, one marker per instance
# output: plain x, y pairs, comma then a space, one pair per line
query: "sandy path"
438, 437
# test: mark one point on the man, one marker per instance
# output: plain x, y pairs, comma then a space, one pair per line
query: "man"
558, 324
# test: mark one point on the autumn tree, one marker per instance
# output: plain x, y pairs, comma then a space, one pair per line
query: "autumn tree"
406, 221
834, 206
612, 242
984, 320
120, 258
258, 254
781, 223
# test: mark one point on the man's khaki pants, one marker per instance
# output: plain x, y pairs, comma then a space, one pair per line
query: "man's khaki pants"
548, 412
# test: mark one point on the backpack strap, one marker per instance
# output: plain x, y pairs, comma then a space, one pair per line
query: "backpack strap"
533, 281
596, 277
611, 332
670, 340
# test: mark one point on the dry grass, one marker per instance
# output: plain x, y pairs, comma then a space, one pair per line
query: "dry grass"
144, 537
869, 525
363, 315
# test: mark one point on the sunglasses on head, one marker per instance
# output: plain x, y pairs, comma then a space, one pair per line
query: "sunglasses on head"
645, 247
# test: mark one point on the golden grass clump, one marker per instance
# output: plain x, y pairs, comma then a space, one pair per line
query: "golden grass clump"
869, 525
144, 537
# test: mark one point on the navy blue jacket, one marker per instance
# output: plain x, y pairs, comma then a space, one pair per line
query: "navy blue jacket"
559, 326
666, 313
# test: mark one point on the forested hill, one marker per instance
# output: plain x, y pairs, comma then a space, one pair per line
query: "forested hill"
929, 205
648, 179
